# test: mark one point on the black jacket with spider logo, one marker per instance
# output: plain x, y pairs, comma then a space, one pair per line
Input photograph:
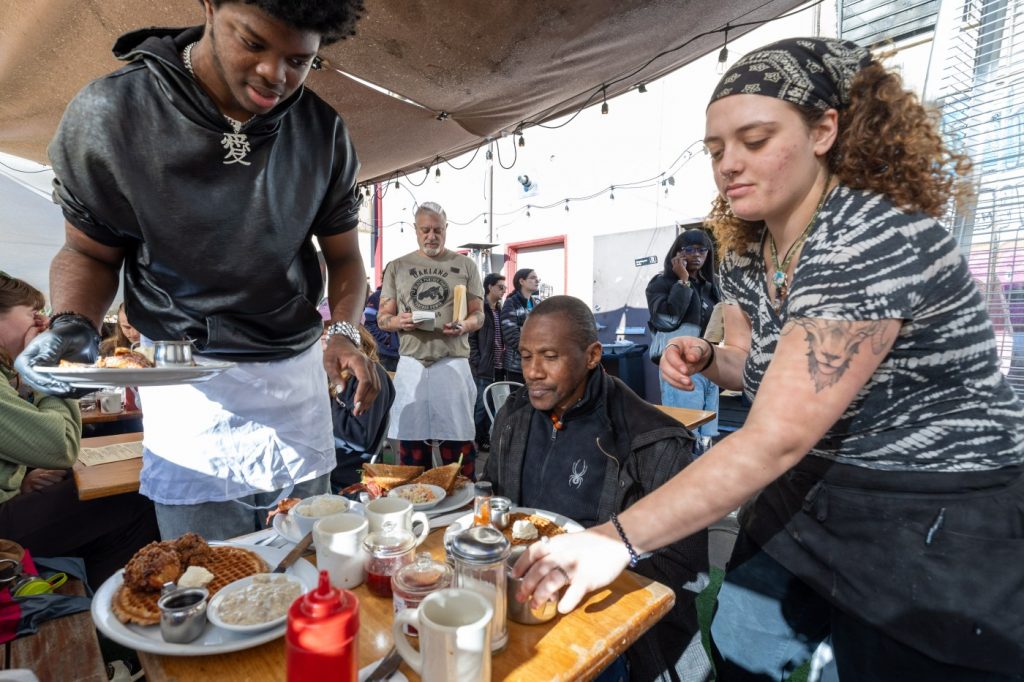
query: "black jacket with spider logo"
643, 448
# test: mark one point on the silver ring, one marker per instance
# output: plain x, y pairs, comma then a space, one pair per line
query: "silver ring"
564, 574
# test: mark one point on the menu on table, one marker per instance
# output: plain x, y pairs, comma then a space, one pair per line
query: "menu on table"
110, 453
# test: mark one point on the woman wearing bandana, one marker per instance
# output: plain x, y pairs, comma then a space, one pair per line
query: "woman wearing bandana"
881, 462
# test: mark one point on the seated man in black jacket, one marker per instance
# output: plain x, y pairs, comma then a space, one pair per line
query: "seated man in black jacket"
579, 442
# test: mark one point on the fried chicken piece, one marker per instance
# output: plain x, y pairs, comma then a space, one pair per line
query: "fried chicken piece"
151, 567
192, 550
125, 358
283, 507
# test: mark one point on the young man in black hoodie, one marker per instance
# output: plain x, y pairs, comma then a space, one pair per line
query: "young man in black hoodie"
580, 443
204, 168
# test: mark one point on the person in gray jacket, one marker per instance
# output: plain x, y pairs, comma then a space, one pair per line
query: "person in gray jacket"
580, 443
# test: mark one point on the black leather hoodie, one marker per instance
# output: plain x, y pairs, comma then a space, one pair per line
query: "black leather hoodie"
217, 252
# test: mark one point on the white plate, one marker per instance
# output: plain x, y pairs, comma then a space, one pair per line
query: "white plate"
458, 499
214, 640
213, 609
565, 522
98, 377
438, 491
287, 528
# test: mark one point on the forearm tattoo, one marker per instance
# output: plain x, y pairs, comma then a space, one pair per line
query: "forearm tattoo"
831, 345
383, 319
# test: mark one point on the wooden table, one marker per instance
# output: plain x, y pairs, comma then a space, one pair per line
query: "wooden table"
576, 646
690, 418
64, 648
97, 416
104, 480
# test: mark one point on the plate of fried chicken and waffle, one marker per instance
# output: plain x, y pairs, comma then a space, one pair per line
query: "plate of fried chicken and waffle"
126, 367
125, 607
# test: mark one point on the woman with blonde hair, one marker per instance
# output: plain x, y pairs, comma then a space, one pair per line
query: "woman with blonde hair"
884, 447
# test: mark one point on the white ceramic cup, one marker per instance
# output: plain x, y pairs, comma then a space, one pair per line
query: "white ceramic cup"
399, 512
109, 401
339, 548
454, 635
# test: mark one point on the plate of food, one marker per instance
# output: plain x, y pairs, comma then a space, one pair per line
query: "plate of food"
131, 368
294, 517
254, 603
527, 525
124, 608
423, 496
383, 479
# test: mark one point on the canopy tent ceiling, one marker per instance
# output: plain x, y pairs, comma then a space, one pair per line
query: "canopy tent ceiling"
490, 66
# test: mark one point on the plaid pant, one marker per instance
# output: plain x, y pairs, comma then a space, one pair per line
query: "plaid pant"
418, 453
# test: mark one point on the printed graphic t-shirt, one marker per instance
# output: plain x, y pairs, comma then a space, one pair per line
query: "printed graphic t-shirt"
937, 401
419, 283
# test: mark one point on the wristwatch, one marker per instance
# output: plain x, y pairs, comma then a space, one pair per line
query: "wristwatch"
346, 329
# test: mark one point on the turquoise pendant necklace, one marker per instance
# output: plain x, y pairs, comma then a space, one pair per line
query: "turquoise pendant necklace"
779, 278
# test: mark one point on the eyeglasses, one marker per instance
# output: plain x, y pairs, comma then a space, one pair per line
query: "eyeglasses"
694, 250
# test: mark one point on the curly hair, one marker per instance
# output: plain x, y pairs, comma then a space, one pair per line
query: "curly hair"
887, 143
334, 20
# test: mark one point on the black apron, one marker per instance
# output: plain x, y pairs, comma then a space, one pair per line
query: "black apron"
934, 560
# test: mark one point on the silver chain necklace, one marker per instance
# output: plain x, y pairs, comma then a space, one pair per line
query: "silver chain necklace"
236, 143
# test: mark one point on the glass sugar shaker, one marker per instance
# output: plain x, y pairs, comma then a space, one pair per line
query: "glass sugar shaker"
413, 582
480, 553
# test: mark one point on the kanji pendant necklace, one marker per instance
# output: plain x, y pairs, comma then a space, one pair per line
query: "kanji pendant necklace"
779, 278
235, 143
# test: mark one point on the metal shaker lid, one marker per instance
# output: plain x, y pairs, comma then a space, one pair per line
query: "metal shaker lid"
481, 545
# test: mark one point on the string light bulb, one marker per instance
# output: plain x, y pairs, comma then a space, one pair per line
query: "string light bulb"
397, 186
604, 102
437, 174
527, 210
642, 88
522, 140
566, 205
611, 194
723, 55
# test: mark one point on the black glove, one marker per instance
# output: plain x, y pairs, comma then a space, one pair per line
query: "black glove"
70, 337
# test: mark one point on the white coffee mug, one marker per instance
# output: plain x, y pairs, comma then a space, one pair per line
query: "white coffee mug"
454, 635
339, 548
399, 512
110, 402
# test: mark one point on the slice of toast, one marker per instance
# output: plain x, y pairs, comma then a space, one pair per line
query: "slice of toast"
388, 476
440, 476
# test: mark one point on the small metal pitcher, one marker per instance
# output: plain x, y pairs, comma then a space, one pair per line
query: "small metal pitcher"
182, 613
172, 354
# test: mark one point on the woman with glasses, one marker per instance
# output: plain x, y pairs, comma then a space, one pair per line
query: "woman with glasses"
517, 306
40, 436
680, 300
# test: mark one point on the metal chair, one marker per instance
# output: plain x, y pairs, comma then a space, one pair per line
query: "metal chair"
495, 396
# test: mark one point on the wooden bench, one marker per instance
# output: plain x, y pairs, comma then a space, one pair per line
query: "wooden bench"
64, 648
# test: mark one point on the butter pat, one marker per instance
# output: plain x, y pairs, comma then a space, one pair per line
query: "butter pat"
524, 530
195, 576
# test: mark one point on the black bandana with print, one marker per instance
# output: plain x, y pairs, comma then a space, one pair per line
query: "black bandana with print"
808, 72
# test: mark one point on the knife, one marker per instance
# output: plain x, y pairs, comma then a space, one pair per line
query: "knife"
292, 556
388, 665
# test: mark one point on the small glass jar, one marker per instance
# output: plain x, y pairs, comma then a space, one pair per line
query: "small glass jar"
480, 553
412, 583
387, 550
482, 503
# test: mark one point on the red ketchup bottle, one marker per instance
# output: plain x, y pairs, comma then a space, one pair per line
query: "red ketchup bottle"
322, 637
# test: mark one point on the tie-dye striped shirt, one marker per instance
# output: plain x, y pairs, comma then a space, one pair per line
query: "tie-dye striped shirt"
938, 401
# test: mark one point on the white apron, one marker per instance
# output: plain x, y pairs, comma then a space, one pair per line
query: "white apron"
433, 403
258, 427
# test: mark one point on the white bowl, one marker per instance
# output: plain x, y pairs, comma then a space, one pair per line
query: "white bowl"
305, 523
213, 608
435, 490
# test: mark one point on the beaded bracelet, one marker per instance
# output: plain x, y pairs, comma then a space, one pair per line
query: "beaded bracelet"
633, 557
73, 315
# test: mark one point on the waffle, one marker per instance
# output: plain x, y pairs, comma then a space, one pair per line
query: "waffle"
546, 528
228, 565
